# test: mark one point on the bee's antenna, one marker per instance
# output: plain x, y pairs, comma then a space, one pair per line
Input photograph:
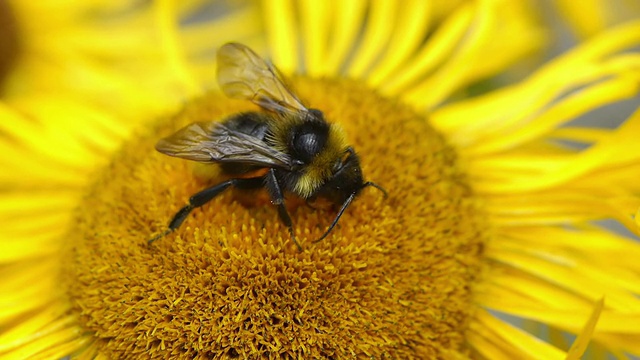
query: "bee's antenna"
346, 204
335, 221
371, 183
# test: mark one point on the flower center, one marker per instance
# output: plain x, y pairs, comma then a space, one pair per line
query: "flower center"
392, 280
9, 44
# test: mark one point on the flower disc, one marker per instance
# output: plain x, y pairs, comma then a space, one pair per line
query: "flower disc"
392, 280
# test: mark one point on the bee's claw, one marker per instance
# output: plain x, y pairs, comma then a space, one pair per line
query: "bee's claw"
295, 241
159, 236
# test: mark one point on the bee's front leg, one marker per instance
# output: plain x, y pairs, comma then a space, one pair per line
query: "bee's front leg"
277, 198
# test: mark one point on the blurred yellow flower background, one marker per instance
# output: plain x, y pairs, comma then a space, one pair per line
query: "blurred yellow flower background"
495, 192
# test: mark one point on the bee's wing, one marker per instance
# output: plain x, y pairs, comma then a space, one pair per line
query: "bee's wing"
215, 142
242, 74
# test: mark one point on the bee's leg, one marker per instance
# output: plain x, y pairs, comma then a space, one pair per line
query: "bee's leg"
335, 221
204, 197
277, 198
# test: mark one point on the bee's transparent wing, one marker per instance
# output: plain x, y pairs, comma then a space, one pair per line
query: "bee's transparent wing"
217, 143
242, 74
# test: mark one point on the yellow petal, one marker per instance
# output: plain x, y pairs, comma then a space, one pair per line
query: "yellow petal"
168, 28
314, 23
281, 34
411, 28
348, 19
508, 341
375, 38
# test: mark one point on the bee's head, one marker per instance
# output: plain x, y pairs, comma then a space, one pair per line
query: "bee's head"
347, 180
345, 184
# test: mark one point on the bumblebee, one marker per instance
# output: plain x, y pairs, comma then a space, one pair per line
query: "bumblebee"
301, 152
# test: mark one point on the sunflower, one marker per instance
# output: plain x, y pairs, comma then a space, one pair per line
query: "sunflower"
494, 209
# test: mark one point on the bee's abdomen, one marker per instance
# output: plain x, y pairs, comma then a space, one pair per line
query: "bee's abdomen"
250, 123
